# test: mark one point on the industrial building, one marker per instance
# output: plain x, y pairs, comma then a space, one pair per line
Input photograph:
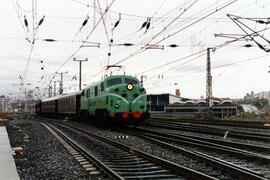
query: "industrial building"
219, 109
157, 102
171, 104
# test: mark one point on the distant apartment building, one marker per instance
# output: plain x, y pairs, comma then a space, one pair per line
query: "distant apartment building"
260, 95
4, 103
17, 105
258, 99
29, 101
264, 95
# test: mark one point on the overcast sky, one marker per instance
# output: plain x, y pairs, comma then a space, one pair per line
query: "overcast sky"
189, 24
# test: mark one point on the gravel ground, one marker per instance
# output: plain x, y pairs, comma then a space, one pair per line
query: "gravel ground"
44, 157
156, 150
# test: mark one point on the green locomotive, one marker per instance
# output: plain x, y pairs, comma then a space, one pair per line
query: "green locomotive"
117, 98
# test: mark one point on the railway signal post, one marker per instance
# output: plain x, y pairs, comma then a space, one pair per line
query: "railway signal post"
54, 88
61, 81
209, 100
80, 69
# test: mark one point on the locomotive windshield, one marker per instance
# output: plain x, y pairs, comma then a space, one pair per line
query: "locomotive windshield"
112, 82
130, 81
116, 81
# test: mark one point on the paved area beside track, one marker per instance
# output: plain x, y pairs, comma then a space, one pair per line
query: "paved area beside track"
8, 169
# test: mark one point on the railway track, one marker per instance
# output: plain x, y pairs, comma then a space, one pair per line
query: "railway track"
263, 150
265, 137
233, 123
252, 163
117, 161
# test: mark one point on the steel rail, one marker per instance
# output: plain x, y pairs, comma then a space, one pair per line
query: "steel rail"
218, 132
85, 153
235, 171
192, 141
173, 167
235, 123
255, 148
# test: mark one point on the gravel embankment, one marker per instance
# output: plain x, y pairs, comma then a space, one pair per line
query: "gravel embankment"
156, 150
44, 156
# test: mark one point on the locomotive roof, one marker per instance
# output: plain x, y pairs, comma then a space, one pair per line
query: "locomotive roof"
115, 76
111, 77
61, 96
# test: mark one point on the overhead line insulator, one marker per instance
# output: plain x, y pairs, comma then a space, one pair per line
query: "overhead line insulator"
128, 44
49, 40
41, 21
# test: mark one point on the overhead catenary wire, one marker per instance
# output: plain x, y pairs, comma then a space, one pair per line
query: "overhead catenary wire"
170, 35
87, 37
20, 15
144, 48
162, 18
73, 39
121, 24
104, 24
34, 13
247, 60
205, 16
199, 52
252, 37
180, 65
155, 21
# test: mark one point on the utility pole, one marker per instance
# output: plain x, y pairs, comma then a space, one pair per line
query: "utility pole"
54, 88
61, 81
209, 100
142, 81
50, 90
80, 70
142, 78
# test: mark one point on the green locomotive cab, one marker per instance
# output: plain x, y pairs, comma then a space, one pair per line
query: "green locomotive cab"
119, 98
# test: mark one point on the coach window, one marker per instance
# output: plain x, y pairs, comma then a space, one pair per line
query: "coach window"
96, 90
102, 86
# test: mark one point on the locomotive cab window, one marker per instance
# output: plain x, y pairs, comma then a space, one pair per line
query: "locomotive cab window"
102, 86
83, 93
96, 90
112, 82
130, 81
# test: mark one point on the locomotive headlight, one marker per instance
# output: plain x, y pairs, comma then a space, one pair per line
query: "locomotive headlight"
116, 106
130, 86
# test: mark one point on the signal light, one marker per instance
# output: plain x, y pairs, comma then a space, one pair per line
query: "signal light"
130, 86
